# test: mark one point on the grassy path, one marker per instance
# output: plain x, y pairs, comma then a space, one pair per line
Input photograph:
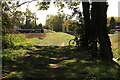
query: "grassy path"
58, 62
55, 62
54, 39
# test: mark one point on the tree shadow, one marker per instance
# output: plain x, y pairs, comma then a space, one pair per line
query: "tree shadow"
55, 62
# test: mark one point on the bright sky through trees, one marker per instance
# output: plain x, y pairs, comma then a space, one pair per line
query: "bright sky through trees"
112, 10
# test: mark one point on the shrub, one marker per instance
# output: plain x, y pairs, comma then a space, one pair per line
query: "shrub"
15, 41
11, 54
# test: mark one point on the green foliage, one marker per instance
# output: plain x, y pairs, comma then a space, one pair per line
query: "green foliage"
50, 22
13, 18
18, 19
14, 45
5, 7
62, 5
80, 32
72, 4
69, 25
55, 22
30, 19
11, 54
6, 19
15, 41
43, 5
6, 23
59, 4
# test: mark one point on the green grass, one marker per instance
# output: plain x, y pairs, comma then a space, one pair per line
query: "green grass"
115, 44
73, 63
54, 39
14, 46
12, 55
70, 62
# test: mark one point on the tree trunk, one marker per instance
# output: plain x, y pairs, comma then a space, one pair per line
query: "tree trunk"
100, 9
94, 29
86, 9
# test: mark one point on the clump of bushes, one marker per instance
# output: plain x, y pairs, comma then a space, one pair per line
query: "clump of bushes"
15, 41
11, 54
14, 45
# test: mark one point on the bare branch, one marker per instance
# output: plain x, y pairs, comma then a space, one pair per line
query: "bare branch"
24, 3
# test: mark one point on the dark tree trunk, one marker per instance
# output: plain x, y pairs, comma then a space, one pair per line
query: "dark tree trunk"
94, 29
94, 21
100, 21
86, 10
105, 44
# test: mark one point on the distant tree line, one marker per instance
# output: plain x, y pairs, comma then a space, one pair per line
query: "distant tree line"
60, 22
14, 19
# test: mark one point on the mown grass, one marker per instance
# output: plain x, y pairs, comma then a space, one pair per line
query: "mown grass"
115, 44
54, 39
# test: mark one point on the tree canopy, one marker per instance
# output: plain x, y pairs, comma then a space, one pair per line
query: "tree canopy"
55, 22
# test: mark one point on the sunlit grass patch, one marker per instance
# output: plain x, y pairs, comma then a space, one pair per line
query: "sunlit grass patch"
36, 41
48, 60
114, 38
68, 61
15, 74
91, 69
54, 39
84, 61
16, 41
11, 54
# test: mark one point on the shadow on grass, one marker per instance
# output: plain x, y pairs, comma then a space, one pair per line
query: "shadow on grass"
58, 62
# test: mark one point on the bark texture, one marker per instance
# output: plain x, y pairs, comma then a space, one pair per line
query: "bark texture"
86, 13
99, 21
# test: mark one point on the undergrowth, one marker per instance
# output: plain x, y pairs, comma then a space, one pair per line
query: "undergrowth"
14, 45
